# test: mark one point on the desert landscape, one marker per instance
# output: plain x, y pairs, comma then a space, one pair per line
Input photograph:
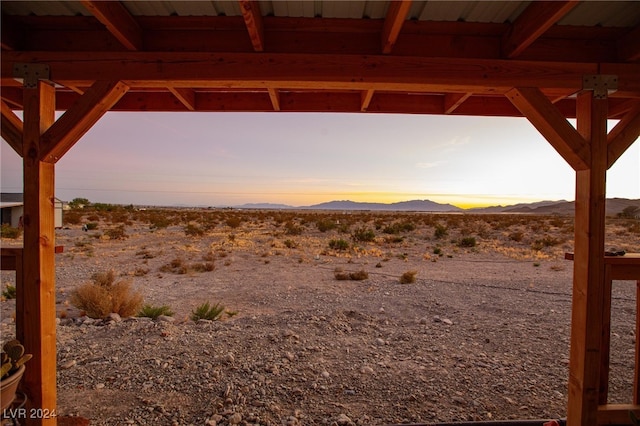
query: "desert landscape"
326, 317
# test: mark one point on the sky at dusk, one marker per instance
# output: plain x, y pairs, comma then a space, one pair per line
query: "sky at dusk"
300, 159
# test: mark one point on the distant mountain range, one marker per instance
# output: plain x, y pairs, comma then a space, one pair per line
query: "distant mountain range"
561, 207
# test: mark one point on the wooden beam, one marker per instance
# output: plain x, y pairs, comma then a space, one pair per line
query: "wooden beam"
11, 128
393, 22
186, 96
536, 19
253, 20
311, 71
623, 135
589, 271
629, 46
366, 99
617, 414
453, 100
74, 123
38, 261
552, 125
115, 16
274, 95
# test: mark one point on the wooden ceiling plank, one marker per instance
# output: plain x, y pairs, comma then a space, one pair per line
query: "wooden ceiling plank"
552, 125
186, 96
76, 121
253, 21
536, 19
351, 72
453, 100
396, 16
12, 128
118, 20
629, 46
623, 135
365, 99
274, 95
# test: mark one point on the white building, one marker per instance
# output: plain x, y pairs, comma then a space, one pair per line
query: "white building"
12, 209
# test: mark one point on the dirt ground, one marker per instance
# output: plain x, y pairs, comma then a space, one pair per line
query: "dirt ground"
482, 333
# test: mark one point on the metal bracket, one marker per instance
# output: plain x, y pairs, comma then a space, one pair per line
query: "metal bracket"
30, 74
601, 84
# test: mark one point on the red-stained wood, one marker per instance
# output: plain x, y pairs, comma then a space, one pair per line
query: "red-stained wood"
552, 125
623, 134
453, 100
118, 20
589, 271
253, 21
617, 414
537, 18
11, 128
274, 95
636, 372
629, 46
365, 99
186, 96
396, 16
69, 128
39, 326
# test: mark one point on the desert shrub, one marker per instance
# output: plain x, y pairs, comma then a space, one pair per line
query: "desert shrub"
233, 222
353, 276
117, 233
629, 212
438, 251
290, 244
203, 267
104, 295
339, 244
72, 218
440, 231
408, 277
399, 227
154, 312
176, 266
91, 226
7, 231
292, 228
207, 311
546, 241
159, 221
193, 230
325, 225
516, 236
467, 242
394, 239
9, 292
363, 235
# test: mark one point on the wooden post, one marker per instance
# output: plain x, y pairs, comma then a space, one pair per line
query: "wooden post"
39, 326
588, 275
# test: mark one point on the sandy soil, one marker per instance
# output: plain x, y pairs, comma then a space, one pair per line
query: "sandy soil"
482, 334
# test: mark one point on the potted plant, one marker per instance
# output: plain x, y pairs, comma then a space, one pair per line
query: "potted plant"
13, 360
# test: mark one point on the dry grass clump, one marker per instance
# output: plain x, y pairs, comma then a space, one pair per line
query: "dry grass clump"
104, 295
408, 277
353, 276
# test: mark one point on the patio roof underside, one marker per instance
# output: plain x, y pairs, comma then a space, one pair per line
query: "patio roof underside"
426, 57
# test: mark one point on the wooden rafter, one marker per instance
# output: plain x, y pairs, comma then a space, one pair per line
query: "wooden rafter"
253, 21
366, 99
623, 135
274, 95
453, 100
554, 127
11, 128
396, 15
186, 96
118, 20
316, 72
536, 19
74, 123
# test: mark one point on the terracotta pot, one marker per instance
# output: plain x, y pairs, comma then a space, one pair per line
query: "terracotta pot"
9, 387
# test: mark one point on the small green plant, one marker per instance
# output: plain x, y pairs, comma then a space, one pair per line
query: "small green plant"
91, 226
440, 231
467, 242
7, 231
363, 235
9, 292
325, 225
338, 244
13, 357
408, 277
208, 312
154, 312
438, 251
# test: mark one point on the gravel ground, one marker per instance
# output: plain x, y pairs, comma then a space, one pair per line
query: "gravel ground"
482, 334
